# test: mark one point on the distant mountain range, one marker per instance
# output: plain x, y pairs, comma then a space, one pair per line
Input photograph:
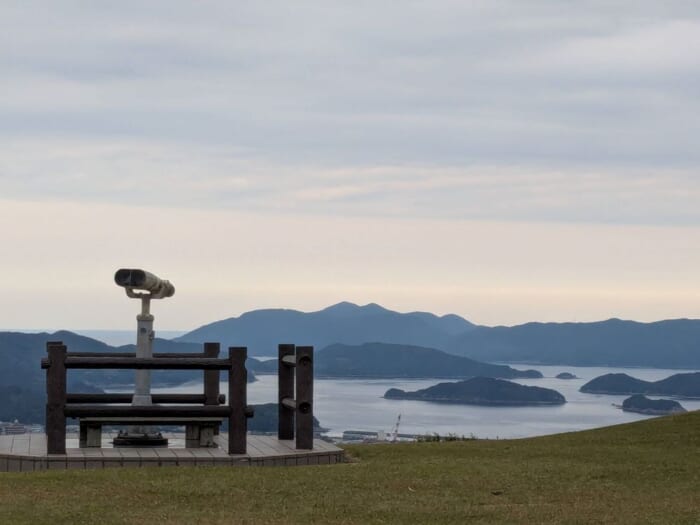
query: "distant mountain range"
663, 344
262, 330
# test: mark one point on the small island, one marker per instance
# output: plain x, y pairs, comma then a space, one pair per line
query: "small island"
651, 407
566, 375
484, 391
685, 385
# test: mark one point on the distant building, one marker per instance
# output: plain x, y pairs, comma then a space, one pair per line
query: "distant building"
16, 428
12, 429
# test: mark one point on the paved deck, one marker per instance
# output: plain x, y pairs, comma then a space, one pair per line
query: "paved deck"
27, 452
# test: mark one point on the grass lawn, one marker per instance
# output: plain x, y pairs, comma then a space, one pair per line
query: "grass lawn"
646, 472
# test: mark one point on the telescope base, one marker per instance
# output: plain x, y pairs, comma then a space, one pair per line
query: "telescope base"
130, 439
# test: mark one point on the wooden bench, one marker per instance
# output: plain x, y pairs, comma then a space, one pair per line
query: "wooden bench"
202, 422
199, 431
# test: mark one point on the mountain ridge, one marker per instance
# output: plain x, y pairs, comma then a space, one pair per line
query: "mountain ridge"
348, 323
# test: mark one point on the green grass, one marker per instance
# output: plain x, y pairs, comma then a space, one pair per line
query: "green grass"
646, 472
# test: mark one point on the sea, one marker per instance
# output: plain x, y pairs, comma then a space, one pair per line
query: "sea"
357, 404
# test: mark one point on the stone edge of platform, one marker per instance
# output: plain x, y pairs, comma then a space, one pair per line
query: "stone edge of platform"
19, 463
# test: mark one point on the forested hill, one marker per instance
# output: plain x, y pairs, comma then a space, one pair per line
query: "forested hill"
381, 360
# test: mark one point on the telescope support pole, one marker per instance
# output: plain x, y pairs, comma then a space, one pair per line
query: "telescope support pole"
144, 349
142, 435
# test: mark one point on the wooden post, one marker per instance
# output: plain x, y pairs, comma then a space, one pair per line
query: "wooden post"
56, 398
305, 397
211, 379
285, 382
237, 400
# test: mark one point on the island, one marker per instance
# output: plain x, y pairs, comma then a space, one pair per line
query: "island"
685, 385
651, 407
566, 375
485, 391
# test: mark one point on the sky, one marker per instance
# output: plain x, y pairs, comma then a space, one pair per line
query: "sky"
507, 161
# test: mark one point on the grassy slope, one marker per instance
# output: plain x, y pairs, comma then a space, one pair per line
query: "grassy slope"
642, 472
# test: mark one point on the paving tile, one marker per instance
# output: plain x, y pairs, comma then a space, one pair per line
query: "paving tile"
201, 453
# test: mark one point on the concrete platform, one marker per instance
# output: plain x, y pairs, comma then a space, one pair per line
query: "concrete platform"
27, 453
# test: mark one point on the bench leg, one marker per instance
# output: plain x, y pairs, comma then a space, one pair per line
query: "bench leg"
199, 436
93, 436
206, 436
192, 436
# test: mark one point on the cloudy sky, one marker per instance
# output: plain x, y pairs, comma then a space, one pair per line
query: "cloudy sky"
507, 161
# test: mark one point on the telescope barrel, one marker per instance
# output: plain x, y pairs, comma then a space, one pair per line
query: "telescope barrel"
136, 279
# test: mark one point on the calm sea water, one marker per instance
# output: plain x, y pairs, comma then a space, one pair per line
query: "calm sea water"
345, 404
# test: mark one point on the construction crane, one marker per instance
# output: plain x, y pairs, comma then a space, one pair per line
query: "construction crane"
395, 432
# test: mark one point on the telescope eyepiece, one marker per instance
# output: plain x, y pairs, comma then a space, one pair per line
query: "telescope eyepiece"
130, 278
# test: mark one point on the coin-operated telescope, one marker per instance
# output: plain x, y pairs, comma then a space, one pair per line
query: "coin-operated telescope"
140, 284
